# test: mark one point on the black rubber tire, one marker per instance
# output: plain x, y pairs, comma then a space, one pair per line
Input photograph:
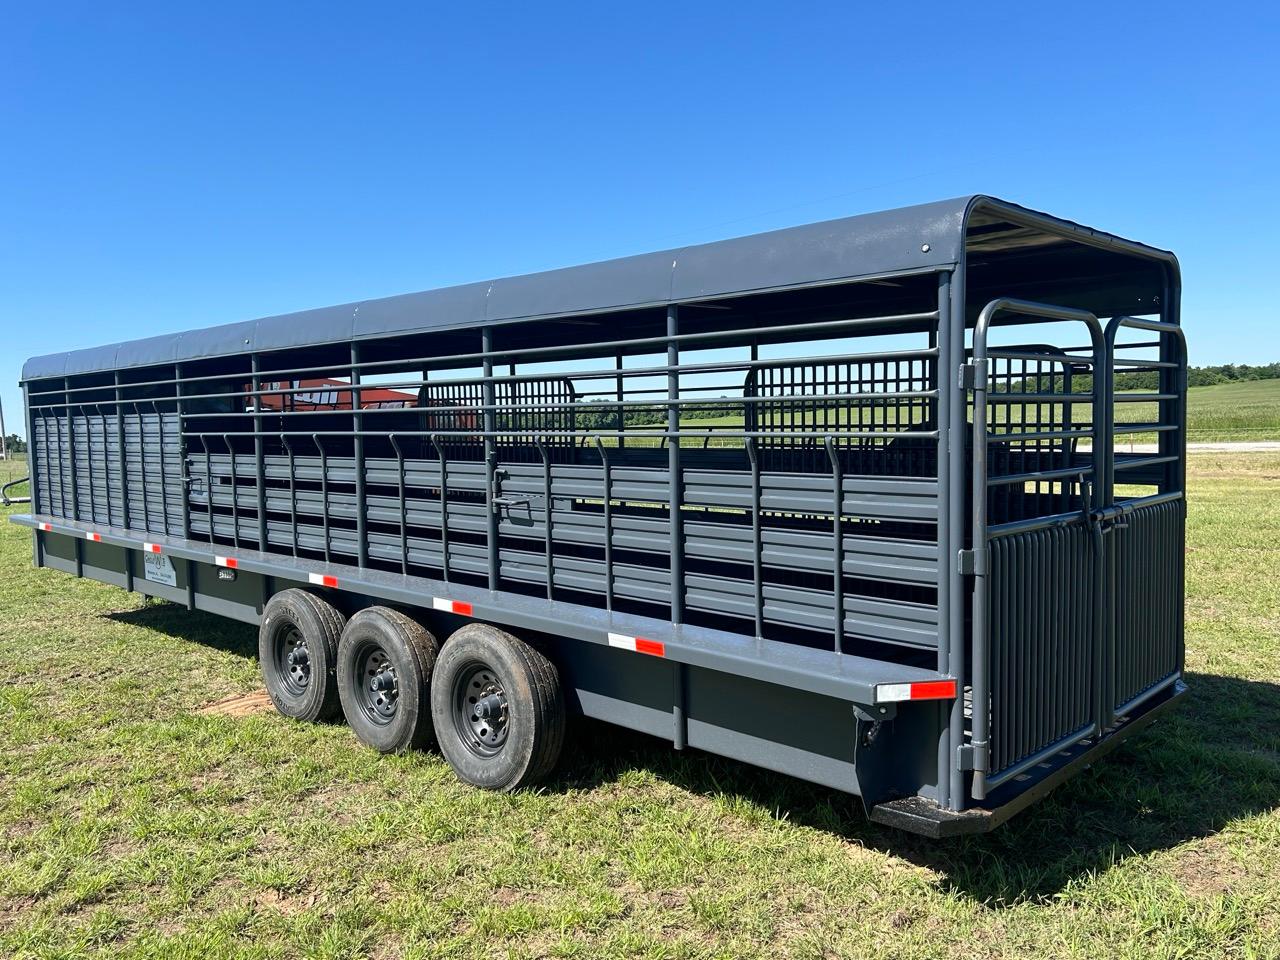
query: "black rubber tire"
319, 626
534, 710
400, 642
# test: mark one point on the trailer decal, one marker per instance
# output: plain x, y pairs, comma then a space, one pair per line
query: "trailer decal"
451, 606
146, 547
322, 580
230, 563
46, 527
95, 537
655, 648
923, 690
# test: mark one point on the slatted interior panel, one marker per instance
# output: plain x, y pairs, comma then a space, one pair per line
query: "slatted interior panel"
1041, 628
1147, 570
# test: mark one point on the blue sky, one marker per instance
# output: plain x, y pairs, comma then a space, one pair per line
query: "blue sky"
167, 166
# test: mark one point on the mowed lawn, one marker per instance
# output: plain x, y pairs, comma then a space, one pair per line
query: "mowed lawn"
133, 825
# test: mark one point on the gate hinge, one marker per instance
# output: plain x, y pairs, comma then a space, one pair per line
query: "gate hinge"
973, 756
973, 563
972, 375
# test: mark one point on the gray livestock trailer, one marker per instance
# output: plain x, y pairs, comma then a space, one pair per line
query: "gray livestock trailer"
892, 503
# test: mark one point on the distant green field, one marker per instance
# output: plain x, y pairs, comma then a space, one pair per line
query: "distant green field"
1234, 411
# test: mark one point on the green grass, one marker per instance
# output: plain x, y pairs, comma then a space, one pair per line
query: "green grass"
132, 826
1249, 410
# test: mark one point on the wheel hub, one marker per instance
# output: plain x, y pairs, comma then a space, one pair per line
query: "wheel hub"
377, 690
294, 660
480, 711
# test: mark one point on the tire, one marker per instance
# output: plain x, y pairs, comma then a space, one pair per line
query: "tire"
385, 662
498, 709
297, 651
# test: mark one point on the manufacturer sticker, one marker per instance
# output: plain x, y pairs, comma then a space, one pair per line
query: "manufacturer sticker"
158, 568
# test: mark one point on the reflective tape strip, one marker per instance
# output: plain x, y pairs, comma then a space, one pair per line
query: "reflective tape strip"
924, 690
46, 527
322, 579
95, 537
229, 562
451, 606
151, 548
654, 648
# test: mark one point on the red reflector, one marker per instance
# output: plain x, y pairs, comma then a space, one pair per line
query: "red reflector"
652, 647
232, 563
934, 690
330, 581
464, 609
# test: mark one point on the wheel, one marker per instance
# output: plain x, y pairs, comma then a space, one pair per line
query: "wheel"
498, 709
297, 650
385, 662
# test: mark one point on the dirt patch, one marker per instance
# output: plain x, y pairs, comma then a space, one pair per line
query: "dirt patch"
238, 705
1206, 872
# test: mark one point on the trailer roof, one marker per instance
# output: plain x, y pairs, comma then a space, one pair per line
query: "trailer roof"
915, 238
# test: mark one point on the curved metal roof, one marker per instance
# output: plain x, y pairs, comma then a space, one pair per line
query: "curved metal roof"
911, 238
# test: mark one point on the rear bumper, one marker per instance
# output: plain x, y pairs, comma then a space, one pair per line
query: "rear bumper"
924, 817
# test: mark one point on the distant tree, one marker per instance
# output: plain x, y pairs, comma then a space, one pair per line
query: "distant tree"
15, 444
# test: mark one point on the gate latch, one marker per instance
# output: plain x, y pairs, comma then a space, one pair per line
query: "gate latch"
972, 375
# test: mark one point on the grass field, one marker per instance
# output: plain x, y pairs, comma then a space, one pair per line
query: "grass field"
133, 825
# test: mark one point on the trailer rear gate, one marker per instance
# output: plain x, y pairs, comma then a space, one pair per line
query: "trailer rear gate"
815, 475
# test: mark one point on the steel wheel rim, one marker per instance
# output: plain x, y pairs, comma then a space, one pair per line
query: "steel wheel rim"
377, 688
480, 710
293, 660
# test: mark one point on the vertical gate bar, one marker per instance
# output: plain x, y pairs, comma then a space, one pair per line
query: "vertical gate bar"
357, 425
978, 480
324, 493
607, 482
490, 454
259, 450
404, 521
71, 460
757, 570
444, 504
33, 472
673, 465
943, 362
837, 542
955, 518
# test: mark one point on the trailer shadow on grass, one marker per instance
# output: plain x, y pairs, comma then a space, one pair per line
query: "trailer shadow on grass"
1214, 761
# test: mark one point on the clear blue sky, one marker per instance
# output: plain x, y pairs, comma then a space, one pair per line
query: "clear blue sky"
167, 166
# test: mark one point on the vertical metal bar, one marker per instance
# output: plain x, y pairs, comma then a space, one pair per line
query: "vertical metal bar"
490, 455
357, 425
88, 456
978, 483
235, 495
259, 453
944, 363
71, 460
607, 482
208, 482
404, 520
142, 467
183, 453
837, 541
444, 504
324, 494
164, 480
673, 465
757, 548
293, 490
954, 434
622, 420
546, 517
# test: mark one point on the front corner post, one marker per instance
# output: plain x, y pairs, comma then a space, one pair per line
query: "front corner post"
673, 464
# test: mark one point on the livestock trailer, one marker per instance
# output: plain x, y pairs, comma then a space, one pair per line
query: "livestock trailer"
892, 503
